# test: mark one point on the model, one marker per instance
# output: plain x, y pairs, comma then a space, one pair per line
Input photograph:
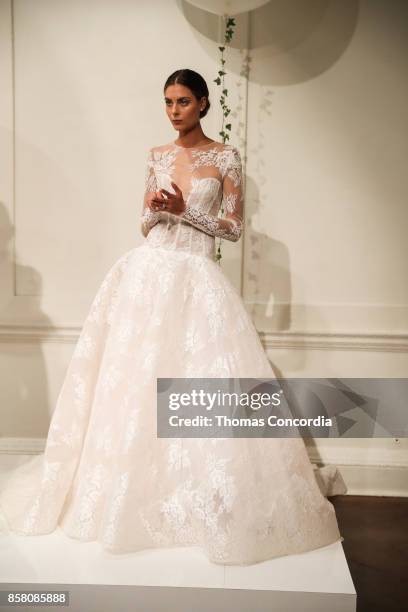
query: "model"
166, 309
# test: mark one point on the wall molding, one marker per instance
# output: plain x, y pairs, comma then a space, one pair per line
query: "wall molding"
332, 341
382, 472
375, 471
359, 456
22, 446
35, 334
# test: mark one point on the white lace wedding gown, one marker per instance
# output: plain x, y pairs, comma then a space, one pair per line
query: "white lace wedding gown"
166, 309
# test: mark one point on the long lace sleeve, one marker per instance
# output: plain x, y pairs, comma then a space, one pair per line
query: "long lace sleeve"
231, 225
149, 218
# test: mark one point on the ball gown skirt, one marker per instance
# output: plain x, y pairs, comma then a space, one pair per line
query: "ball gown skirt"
106, 476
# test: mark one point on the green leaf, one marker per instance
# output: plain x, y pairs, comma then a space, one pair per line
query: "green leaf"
217, 80
221, 49
228, 126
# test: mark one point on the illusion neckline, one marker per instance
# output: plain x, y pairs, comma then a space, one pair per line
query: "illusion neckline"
197, 146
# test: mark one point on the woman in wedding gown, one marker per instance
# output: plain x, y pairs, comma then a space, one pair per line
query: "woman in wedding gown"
165, 309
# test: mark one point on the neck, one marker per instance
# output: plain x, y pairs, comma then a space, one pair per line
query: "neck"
193, 137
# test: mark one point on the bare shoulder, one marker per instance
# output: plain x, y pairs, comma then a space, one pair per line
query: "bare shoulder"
162, 148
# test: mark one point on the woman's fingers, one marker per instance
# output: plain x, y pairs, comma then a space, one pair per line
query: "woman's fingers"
157, 197
176, 188
157, 201
170, 200
167, 193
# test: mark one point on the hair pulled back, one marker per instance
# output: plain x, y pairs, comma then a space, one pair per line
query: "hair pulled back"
194, 81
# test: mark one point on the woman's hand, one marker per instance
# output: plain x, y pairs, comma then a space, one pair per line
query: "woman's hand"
170, 202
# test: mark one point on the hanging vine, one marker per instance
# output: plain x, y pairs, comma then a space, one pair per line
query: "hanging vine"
220, 81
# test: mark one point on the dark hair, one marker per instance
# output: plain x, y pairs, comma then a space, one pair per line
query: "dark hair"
192, 80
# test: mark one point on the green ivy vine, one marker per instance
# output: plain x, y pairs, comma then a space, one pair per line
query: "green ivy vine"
220, 81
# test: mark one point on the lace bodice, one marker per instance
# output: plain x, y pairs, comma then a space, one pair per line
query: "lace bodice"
208, 176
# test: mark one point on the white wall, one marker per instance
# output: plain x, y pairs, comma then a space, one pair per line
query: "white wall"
323, 122
327, 135
326, 254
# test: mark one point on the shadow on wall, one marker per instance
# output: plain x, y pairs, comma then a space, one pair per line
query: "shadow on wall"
25, 408
21, 383
290, 41
267, 283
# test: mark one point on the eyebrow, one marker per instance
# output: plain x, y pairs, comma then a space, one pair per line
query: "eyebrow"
181, 98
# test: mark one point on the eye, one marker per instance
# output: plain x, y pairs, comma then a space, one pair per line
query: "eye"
182, 101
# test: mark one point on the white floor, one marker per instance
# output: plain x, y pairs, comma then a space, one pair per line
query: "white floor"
179, 579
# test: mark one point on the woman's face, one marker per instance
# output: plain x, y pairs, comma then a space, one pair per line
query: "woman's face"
182, 107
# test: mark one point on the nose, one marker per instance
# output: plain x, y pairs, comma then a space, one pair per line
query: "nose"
174, 111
